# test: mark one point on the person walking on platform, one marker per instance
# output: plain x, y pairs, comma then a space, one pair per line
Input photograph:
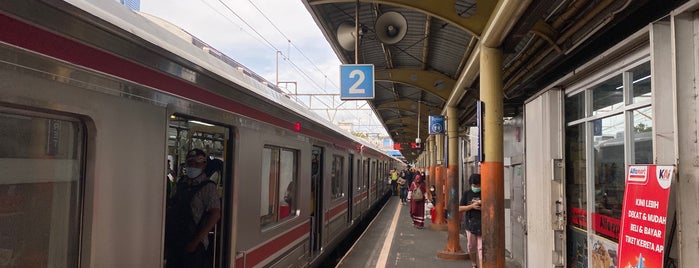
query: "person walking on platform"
403, 184
394, 182
417, 202
471, 204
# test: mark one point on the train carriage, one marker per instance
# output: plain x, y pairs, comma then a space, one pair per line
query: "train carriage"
100, 104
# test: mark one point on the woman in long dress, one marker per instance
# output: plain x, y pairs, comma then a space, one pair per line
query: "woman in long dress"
417, 206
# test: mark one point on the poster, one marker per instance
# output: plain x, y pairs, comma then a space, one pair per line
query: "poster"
577, 247
604, 252
644, 218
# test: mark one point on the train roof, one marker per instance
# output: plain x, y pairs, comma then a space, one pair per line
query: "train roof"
151, 30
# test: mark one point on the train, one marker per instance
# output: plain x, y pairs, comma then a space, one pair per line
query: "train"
99, 106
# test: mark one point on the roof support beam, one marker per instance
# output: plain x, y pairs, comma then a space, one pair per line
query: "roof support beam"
506, 13
435, 83
443, 9
410, 106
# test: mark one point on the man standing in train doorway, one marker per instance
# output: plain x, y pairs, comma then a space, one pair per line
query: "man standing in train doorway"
192, 213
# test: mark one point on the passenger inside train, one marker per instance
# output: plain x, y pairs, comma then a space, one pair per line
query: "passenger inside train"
192, 213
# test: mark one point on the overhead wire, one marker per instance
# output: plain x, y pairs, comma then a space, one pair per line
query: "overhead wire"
271, 45
290, 42
292, 63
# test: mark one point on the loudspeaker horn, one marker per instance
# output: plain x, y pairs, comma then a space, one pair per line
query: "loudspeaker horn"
391, 27
346, 35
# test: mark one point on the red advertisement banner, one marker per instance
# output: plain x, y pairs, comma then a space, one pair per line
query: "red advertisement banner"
644, 216
600, 223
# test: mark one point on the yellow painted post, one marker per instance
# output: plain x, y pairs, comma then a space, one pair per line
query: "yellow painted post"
492, 173
453, 249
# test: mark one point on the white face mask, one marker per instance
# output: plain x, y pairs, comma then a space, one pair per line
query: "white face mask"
193, 172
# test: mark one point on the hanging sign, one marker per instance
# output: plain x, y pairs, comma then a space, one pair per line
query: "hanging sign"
357, 82
480, 112
436, 124
644, 218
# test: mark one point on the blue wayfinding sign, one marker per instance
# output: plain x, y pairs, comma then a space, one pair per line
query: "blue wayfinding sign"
357, 82
436, 124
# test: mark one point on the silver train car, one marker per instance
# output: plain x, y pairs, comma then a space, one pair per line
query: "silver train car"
98, 107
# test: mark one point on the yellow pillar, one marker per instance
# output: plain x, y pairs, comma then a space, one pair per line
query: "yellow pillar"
492, 173
453, 249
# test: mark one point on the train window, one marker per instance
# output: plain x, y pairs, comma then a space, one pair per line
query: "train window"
278, 184
358, 177
41, 157
365, 172
338, 179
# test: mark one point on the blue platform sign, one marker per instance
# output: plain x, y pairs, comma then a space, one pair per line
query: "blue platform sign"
357, 82
436, 124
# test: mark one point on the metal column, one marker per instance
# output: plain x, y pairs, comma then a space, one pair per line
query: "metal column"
492, 172
453, 249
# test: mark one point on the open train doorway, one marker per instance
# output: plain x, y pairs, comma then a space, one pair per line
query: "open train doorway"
199, 190
350, 188
316, 200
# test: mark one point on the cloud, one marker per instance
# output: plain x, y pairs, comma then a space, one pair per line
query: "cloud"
230, 33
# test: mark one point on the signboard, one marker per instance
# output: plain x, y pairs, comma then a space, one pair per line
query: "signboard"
480, 111
356, 81
436, 124
644, 218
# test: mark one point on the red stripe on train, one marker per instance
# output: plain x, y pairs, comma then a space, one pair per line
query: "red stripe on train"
335, 211
273, 246
360, 197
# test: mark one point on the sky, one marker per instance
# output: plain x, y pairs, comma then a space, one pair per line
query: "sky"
252, 31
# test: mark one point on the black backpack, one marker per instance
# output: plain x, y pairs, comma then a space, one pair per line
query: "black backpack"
180, 227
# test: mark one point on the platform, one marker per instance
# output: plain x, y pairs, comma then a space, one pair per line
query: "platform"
392, 241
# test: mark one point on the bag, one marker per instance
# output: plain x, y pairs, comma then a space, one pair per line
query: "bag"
417, 194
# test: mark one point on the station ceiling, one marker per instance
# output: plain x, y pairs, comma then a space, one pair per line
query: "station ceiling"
425, 53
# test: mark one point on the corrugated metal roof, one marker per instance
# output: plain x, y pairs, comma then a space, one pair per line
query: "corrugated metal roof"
445, 48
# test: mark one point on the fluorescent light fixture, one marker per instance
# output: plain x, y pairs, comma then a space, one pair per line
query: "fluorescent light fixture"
200, 123
634, 82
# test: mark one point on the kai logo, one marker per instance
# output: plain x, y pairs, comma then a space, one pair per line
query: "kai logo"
664, 175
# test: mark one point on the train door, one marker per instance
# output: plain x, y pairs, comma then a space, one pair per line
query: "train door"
184, 135
373, 181
316, 200
367, 184
350, 187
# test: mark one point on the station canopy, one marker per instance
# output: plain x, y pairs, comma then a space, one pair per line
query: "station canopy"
426, 53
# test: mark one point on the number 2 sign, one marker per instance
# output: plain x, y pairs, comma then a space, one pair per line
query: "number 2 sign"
356, 81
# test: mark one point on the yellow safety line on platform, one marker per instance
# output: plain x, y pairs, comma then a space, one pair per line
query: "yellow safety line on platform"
383, 257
